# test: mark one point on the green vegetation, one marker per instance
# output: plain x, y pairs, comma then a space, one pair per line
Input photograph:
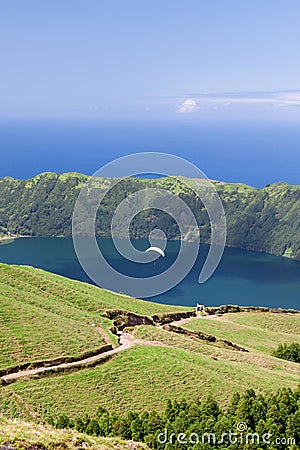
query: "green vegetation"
258, 219
274, 417
276, 414
23, 436
45, 316
289, 352
255, 331
164, 365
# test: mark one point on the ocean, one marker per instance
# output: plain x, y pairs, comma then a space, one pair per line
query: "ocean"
251, 152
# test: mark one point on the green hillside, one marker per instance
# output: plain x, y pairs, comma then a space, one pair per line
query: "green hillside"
23, 435
45, 315
143, 377
260, 332
258, 219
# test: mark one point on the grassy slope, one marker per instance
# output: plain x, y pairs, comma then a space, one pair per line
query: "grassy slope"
255, 331
144, 376
45, 316
23, 435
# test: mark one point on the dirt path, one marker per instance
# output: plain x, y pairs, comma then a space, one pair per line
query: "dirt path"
179, 323
126, 342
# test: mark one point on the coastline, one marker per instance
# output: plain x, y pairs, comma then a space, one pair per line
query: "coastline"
11, 238
6, 239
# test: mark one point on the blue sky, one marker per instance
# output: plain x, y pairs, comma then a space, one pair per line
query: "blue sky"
149, 59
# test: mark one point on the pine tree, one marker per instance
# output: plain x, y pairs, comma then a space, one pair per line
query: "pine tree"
79, 425
137, 429
62, 421
93, 428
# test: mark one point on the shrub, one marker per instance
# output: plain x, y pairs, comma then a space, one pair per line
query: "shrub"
289, 352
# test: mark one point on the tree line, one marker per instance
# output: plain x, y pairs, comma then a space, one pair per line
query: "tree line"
250, 421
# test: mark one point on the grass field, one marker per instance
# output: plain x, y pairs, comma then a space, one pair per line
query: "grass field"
45, 316
23, 435
160, 365
256, 331
145, 376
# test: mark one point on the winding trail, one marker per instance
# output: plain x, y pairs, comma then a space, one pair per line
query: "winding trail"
180, 322
126, 342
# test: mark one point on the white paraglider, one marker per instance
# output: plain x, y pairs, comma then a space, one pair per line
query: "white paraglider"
156, 249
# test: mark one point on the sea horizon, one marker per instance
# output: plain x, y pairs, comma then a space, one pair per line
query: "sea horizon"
256, 153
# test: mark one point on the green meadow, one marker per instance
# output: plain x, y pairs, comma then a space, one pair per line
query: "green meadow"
46, 316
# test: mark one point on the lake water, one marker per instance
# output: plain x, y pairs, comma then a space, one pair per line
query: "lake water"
243, 278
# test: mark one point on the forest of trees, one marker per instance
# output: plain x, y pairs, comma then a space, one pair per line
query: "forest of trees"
271, 421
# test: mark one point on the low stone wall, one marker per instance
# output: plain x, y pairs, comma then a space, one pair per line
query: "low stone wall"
173, 316
228, 309
122, 319
204, 337
54, 362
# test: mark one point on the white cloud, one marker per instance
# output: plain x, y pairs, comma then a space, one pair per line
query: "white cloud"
189, 105
291, 98
225, 100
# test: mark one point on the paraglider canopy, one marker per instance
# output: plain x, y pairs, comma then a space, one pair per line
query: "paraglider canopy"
156, 249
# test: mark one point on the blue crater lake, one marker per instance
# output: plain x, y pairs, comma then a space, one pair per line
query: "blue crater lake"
243, 278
